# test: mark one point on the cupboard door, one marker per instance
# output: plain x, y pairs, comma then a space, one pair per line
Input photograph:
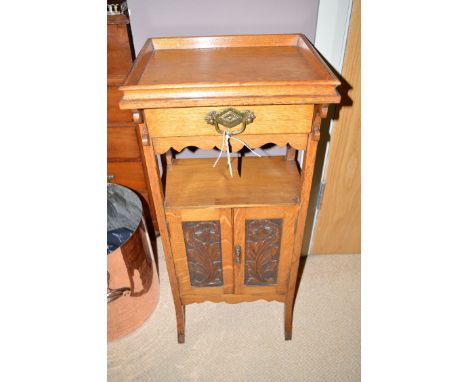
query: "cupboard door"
201, 242
263, 244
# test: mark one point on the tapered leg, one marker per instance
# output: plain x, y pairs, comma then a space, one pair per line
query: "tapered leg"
180, 315
306, 176
153, 178
288, 313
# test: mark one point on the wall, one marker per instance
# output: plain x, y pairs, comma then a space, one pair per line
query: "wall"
154, 18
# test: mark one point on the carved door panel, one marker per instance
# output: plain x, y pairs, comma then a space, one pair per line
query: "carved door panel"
263, 243
201, 242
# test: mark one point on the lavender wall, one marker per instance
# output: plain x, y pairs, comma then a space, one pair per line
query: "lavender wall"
154, 18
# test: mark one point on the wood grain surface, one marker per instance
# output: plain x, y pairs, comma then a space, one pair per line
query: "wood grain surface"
122, 144
153, 177
176, 72
162, 145
306, 183
194, 183
119, 55
129, 174
270, 119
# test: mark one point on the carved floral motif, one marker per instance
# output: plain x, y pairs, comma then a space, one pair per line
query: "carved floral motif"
203, 248
262, 242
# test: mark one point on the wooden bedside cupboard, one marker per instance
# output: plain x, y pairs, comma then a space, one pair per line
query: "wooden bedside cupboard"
230, 239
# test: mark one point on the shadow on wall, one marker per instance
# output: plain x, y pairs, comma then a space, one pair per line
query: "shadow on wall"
333, 114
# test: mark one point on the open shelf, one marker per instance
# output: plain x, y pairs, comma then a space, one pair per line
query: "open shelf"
194, 183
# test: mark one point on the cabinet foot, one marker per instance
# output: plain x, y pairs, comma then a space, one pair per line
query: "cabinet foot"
288, 311
180, 315
180, 338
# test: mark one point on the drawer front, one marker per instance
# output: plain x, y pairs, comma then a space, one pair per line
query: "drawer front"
122, 143
114, 114
270, 119
129, 174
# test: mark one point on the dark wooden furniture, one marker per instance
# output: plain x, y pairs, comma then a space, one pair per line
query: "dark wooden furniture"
124, 164
230, 239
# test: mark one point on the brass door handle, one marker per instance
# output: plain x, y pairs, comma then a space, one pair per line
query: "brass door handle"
230, 118
237, 254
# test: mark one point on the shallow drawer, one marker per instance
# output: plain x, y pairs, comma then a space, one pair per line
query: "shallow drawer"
122, 143
114, 114
270, 119
128, 174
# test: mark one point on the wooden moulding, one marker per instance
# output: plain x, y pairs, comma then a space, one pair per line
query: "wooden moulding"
162, 145
198, 71
231, 298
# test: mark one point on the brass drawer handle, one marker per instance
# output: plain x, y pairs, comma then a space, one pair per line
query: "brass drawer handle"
230, 118
237, 254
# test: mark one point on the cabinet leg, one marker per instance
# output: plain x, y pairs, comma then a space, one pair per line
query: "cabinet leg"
180, 315
288, 313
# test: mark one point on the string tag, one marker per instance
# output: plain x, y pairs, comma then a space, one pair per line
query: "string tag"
226, 137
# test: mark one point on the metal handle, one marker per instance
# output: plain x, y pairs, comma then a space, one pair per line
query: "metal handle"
110, 177
230, 118
114, 294
237, 253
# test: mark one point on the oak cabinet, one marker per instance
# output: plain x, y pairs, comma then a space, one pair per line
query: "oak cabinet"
230, 234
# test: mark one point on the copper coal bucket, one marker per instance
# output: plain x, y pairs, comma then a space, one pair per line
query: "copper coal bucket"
132, 281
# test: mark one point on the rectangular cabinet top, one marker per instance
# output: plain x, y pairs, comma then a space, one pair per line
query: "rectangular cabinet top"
228, 70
